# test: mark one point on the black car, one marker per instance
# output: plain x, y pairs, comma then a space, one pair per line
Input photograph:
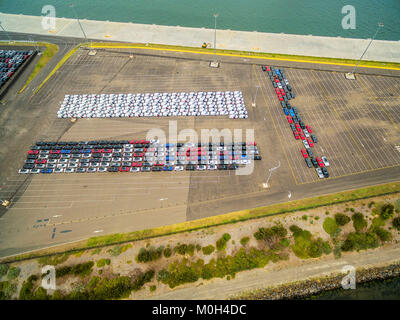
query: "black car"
112, 169
233, 167
302, 125
325, 172
146, 164
257, 158
293, 95
310, 153
80, 170
314, 162
314, 138
145, 169
308, 162
28, 166
263, 68
222, 167
190, 167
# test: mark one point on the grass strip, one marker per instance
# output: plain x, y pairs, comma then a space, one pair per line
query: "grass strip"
62, 61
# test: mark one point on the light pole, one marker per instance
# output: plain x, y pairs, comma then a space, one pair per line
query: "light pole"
83, 31
265, 185
215, 63
255, 97
6, 33
350, 75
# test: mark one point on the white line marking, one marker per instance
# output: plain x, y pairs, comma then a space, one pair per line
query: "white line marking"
97, 231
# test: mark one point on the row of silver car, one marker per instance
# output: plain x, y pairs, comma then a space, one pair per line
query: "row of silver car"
227, 103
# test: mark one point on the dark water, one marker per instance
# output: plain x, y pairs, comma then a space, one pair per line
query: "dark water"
376, 290
316, 17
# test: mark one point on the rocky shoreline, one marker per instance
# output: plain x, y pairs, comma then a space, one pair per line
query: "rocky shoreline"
312, 287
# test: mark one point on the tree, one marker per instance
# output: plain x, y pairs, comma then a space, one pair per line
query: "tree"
396, 223
387, 211
341, 219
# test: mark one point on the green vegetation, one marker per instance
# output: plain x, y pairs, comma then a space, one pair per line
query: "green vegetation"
396, 223
117, 250
341, 219
95, 251
285, 242
152, 254
386, 211
153, 288
3, 269
183, 249
208, 249
59, 64
306, 247
26, 290
82, 270
167, 252
7, 289
304, 217
382, 234
54, 260
359, 222
360, 241
397, 206
378, 222
271, 236
184, 271
102, 262
221, 242
330, 226
244, 241
13, 273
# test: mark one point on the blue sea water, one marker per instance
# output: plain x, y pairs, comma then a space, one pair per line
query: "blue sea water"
316, 17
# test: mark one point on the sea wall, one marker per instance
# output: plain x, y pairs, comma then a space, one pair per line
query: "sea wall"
334, 47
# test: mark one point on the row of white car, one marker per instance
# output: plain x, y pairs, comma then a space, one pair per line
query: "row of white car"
225, 103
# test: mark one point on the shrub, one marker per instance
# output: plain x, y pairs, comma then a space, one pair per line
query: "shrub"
295, 229
82, 269
360, 241
285, 242
208, 249
271, 235
244, 241
397, 205
183, 249
95, 251
304, 217
102, 262
167, 252
151, 254
307, 247
7, 289
359, 222
153, 288
13, 273
221, 242
383, 234
26, 290
386, 211
3, 269
341, 219
371, 204
396, 223
162, 275
330, 226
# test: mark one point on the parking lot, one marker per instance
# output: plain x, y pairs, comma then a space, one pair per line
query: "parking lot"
356, 124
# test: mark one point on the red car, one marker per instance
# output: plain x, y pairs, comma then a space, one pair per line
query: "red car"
268, 68
251, 143
138, 154
132, 141
40, 161
302, 137
96, 150
106, 150
276, 80
289, 119
124, 169
280, 98
277, 90
310, 142
308, 128
33, 151
55, 151
296, 135
320, 162
304, 153
298, 128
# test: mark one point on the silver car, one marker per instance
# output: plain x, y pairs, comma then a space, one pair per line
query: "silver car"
319, 172
325, 161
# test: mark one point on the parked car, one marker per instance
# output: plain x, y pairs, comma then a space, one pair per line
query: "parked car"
319, 172
325, 161
325, 172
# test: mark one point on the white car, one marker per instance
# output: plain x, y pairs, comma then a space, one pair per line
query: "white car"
178, 168
325, 161
212, 167
24, 171
306, 144
306, 133
319, 172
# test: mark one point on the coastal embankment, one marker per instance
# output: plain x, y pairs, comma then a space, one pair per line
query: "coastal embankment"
316, 46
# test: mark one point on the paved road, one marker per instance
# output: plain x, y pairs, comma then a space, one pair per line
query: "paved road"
262, 278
